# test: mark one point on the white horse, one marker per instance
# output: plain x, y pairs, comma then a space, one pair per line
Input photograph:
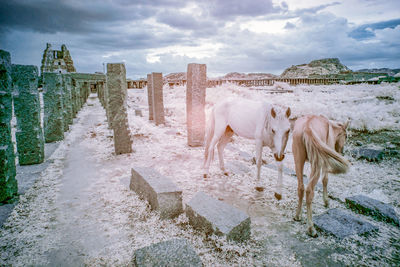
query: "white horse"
268, 125
320, 141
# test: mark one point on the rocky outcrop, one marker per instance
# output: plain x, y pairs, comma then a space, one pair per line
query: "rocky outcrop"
319, 67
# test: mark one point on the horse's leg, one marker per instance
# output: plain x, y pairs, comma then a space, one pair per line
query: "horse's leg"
221, 146
259, 148
218, 132
299, 160
325, 189
278, 191
314, 177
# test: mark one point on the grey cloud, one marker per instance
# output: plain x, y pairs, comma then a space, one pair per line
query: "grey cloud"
366, 31
48, 16
233, 8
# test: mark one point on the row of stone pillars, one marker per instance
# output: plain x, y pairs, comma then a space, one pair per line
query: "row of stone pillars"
195, 101
63, 97
113, 97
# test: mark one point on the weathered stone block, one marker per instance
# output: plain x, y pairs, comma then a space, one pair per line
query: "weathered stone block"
158, 102
8, 183
53, 107
213, 216
370, 154
29, 135
195, 103
342, 224
117, 89
373, 207
162, 194
175, 252
150, 96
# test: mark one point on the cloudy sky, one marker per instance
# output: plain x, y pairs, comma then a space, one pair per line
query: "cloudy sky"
227, 35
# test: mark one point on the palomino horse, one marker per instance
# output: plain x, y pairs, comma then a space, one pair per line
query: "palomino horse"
318, 140
267, 124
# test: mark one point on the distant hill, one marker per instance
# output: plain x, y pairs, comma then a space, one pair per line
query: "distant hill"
324, 66
248, 76
176, 76
390, 72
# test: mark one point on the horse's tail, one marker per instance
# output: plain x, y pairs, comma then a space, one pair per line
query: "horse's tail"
321, 155
209, 134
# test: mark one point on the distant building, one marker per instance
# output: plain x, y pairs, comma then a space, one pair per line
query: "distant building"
57, 61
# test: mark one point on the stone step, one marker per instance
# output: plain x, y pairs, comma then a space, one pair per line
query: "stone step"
175, 252
162, 194
341, 223
373, 207
213, 216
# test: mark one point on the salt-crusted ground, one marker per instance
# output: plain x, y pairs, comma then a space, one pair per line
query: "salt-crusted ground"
81, 211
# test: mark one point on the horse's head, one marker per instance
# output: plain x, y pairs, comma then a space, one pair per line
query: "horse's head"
340, 135
279, 128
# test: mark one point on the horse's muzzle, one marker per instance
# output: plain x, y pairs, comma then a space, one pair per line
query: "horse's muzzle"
279, 158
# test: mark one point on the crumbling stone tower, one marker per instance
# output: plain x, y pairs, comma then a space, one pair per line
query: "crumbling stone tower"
57, 61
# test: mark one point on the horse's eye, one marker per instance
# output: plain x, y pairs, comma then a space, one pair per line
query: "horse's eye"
273, 131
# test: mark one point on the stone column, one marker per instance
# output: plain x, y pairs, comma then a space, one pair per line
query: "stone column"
150, 96
158, 103
29, 135
53, 107
195, 103
116, 83
67, 101
107, 103
8, 183
74, 97
84, 92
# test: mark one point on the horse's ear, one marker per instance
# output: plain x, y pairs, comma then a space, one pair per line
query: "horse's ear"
273, 113
288, 112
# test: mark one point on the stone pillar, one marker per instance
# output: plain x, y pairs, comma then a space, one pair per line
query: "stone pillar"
158, 103
74, 97
195, 103
67, 101
53, 107
107, 103
29, 134
116, 83
84, 92
150, 96
8, 183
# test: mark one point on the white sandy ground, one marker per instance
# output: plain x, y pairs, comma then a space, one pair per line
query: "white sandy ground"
81, 211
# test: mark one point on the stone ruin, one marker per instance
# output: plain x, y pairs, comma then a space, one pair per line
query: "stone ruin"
58, 61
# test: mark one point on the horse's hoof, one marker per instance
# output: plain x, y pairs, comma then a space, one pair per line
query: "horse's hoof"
278, 196
205, 176
297, 218
259, 188
226, 173
311, 232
